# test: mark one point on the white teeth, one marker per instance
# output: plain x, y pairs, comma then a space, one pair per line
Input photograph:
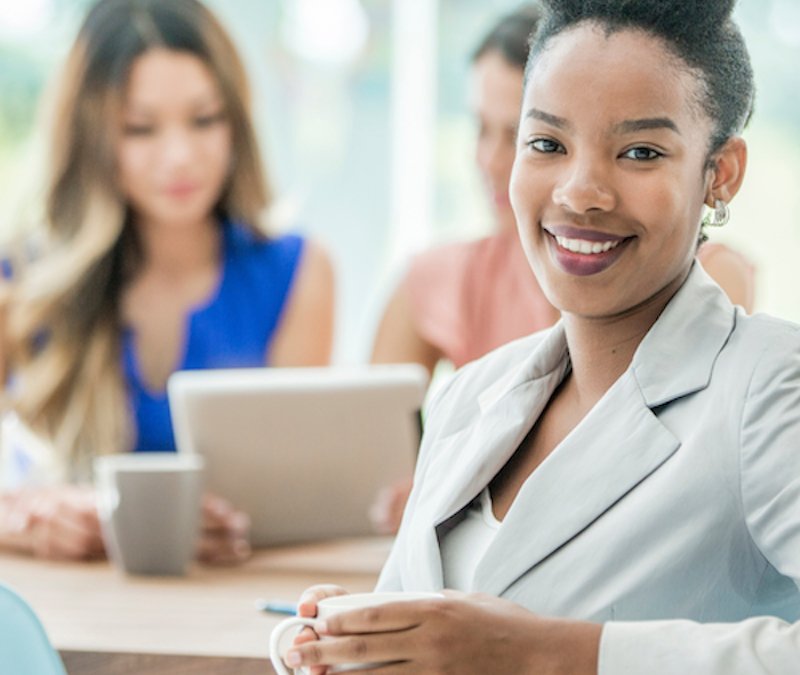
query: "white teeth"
586, 247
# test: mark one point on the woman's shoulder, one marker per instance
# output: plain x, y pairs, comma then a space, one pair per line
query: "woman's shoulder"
268, 261
767, 336
457, 256
290, 255
760, 358
270, 267
715, 249
244, 240
438, 280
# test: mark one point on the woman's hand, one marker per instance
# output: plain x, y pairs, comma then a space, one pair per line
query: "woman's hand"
225, 533
58, 522
307, 604
386, 511
458, 634
307, 607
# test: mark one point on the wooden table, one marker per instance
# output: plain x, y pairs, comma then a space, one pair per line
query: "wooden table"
103, 621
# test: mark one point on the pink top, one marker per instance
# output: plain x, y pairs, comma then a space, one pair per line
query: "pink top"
467, 298
710, 250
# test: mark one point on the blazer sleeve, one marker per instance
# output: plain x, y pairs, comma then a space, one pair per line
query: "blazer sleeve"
391, 578
770, 496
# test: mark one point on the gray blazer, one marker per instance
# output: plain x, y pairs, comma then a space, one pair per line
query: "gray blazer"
670, 511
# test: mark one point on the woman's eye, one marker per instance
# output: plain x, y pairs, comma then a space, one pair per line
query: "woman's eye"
208, 120
545, 145
138, 130
642, 154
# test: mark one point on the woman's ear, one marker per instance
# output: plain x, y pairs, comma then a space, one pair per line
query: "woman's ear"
727, 171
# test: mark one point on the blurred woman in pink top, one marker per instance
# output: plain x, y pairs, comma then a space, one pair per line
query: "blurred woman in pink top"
459, 301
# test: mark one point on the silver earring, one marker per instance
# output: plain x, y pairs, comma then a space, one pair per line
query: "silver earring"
719, 216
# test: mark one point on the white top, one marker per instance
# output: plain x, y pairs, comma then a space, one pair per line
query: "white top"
463, 547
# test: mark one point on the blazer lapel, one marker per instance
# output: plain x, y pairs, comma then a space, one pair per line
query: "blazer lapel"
508, 410
603, 458
463, 463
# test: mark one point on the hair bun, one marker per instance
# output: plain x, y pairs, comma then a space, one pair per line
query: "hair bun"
682, 20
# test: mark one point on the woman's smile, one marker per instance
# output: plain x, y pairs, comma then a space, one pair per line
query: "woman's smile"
584, 252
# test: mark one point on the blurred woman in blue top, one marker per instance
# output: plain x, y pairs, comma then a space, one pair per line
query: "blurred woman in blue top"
154, 259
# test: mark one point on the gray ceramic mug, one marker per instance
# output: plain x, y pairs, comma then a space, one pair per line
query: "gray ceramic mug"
149, 508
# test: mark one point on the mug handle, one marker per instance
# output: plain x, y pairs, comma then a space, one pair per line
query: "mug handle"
275, 641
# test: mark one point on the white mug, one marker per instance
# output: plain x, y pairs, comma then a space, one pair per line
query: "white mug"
331, 606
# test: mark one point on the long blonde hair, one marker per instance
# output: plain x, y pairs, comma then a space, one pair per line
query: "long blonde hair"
62, 310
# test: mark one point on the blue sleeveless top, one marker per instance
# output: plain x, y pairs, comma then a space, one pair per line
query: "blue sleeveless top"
232, 329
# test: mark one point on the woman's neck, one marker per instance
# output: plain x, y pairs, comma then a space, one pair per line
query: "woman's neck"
601, 349
178, 250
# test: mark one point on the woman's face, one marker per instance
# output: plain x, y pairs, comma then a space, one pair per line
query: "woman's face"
609, 178
174, 148
496, 100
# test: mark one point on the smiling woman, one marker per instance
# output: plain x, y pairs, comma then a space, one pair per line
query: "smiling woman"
156, 256
620, 493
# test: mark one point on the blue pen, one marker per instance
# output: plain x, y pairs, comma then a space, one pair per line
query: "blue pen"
276, 607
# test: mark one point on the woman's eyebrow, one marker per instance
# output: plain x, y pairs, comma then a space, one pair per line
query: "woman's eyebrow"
207, 101
548, 118
626, 127
630, 126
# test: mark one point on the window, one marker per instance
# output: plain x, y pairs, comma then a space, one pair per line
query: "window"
370, 143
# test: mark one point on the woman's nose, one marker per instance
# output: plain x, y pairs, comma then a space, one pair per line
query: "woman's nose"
585, 186
177, 147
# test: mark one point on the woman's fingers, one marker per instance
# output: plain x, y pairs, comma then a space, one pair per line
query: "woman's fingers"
307, 605
366, 648
392, 616
384, 633
67, 534
223, 550
386, 511
217, 513
62, 523
305, 635
220, 516
224, 538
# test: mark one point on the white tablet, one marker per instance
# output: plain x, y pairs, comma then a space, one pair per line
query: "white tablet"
303, 451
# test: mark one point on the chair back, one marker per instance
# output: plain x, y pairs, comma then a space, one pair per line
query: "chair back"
24, 646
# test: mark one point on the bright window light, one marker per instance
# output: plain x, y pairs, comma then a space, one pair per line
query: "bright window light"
23, 19
327, 32
785, 20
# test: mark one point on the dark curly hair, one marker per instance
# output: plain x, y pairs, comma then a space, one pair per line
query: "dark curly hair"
511, 36
700, 33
